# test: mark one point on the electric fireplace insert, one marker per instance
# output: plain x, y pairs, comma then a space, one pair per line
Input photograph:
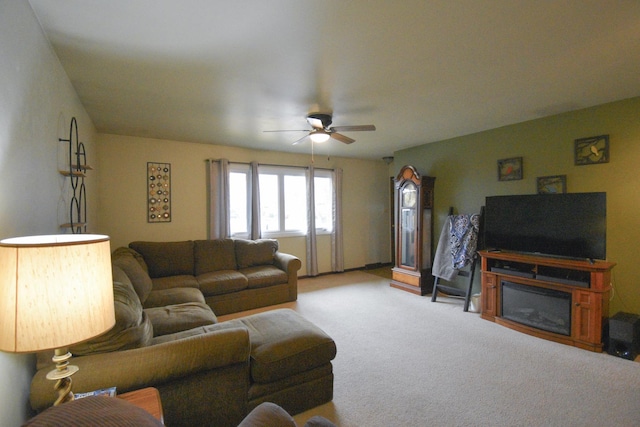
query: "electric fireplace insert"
541, 308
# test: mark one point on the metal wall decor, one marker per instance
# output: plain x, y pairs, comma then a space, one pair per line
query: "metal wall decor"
158, 192
76, 168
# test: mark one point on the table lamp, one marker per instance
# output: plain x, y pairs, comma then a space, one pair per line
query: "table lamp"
55, 291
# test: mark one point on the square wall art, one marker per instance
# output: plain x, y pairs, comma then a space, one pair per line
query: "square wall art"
510, 169
551, 184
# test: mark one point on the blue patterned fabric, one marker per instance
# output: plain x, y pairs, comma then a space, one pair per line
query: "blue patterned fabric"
463, 239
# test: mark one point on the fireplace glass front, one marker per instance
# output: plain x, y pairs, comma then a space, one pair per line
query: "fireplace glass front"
546, 309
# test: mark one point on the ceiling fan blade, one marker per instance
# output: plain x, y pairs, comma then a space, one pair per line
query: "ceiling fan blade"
353, 128
287, 130
342, 138
300, 140
315, 122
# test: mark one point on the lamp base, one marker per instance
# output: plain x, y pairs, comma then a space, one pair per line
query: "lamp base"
62, 375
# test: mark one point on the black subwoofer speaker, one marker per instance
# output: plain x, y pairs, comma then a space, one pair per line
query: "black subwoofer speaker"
624, 335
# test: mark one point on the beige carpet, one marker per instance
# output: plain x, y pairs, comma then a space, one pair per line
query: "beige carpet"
405, 361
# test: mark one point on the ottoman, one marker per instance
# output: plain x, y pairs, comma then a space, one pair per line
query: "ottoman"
290, 361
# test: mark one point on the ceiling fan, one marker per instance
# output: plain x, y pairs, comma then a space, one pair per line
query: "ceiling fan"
322, 130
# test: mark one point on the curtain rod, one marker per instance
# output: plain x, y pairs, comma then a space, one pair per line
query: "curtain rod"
272, 165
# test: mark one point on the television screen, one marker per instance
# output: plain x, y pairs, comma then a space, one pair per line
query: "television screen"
569, 225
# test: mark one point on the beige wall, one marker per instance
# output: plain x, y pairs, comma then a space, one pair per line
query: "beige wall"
37, 102
466, 172
122, 215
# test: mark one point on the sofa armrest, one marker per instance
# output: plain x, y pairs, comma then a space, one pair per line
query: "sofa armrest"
287, 262
291, 264
149, 366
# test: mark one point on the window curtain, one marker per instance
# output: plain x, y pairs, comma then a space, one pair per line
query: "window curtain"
219, 211
218, 202
312, 249
337, 250
254, 210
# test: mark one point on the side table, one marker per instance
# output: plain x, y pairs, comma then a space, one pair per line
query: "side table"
147, 399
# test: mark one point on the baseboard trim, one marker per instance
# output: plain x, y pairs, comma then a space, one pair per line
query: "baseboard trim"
364, 268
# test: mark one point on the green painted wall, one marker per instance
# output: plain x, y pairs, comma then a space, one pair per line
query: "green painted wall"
466, 172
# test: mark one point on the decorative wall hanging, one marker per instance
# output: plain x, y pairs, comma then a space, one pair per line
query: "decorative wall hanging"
510, 169
552, 184
76, 168
158, 192
592, 150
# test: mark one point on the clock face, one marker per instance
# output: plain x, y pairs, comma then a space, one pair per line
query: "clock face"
592, 150
409, 196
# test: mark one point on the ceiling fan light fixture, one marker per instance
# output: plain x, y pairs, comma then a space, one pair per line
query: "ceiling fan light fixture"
319, 136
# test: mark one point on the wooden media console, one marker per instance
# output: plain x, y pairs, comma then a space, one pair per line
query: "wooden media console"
586, 287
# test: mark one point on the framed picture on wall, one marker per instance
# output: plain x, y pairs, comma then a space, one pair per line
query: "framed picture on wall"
510, 169
592, 150
158, 192
552, 184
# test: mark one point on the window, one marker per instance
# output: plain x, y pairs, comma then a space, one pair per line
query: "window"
283, 200
239, 200
269, 202
323, 182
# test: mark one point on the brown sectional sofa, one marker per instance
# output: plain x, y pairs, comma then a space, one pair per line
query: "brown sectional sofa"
167, 336
232, 274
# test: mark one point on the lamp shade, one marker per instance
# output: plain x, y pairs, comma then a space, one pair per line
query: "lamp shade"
55, 291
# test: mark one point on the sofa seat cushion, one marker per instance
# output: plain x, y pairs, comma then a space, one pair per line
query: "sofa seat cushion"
214, 255
283, 344
170, 282
250, 253
200, 330
222, 282
264, 275
180, 317
166, 258
163, 297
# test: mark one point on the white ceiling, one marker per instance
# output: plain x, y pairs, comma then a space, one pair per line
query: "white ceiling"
222, 72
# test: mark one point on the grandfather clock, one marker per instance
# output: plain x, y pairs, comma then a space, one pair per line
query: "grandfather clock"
413, 214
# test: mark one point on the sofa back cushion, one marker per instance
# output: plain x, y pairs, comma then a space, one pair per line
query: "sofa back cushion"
132, 329
166, 258
250, 253
214, 255
132, 264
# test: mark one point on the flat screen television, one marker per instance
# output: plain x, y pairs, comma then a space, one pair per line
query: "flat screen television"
570, 225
